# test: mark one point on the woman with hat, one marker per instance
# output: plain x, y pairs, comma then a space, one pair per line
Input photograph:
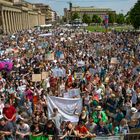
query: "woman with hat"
133, 117
98, 115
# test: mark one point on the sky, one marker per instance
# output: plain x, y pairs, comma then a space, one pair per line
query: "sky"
120, 6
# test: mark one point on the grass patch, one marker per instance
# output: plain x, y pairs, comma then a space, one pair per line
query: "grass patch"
97, 28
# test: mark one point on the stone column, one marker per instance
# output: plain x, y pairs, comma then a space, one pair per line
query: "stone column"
23, 20
12, 21
31, 20
20, 21
3, 22
9, 22
6, 21
28, 21
15, 21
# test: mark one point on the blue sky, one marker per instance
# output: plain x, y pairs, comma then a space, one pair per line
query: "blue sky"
117, 5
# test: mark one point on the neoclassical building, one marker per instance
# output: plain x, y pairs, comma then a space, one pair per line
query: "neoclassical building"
101, 12
16, 15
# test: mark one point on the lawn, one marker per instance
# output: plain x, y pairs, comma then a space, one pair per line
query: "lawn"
97, 28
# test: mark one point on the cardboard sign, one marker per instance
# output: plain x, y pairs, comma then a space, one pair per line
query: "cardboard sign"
78, 75
58, 72
62, 56
44, 75
36, 77
72, 93
114, 60
80, 63
49, 56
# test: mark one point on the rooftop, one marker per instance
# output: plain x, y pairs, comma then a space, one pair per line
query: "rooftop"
78, 8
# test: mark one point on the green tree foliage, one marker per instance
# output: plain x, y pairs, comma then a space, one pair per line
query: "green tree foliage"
99, 20
128, 20
75, 15
96, 19
112, 18
86, 19
135, 15
120, 19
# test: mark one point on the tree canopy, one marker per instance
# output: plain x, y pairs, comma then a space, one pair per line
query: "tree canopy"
75, 15
135, 15
86, 19
112, 18
120, 18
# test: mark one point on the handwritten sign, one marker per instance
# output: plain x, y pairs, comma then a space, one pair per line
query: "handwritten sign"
58, 72
44, 75
72, 93
80, 63
78, 75
49, 56
114, 60
36, 77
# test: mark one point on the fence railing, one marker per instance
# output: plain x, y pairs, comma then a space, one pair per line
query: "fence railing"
132, 136
129, 136
119, 137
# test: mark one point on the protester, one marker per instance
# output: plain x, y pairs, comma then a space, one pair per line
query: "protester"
50, 82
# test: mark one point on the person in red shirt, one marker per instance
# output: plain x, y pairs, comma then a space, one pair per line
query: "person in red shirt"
82, 131
9, 112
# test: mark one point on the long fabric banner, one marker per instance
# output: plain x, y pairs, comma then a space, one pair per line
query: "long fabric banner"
67, 107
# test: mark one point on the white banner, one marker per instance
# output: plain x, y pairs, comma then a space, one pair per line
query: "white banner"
67, 107
72, 93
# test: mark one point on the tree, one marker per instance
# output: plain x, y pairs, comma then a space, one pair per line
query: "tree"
75, 15
127, 20
111, 17
86, 19
99, 20
96, 19
120, 18
135, 15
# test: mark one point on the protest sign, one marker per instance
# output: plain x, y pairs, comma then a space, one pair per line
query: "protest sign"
78, 75
36, 77
58, 72
80, 63
72, 93
44, 75
49, 56
66, 107
92, 71
114, 60
62, 56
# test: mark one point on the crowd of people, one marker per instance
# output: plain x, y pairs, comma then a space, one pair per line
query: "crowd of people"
109, 88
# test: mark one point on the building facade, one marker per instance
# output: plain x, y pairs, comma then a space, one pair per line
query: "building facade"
90, 11
51, 15
16, 15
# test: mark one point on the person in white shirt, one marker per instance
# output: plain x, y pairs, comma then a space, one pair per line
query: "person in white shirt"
23, 131
1, 108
